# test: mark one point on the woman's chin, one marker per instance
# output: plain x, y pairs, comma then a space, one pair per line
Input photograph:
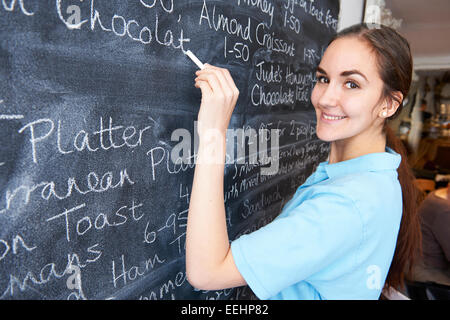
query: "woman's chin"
325, 136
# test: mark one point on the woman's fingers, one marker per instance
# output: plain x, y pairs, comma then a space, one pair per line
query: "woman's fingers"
226, 75
204, 87
226, 89
231, 83
225, 80
213, 81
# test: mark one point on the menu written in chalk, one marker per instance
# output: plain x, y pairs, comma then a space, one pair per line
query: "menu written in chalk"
98, 117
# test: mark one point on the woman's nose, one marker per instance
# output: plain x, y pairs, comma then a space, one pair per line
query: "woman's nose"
329, 97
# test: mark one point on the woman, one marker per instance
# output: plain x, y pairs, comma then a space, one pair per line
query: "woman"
352, 227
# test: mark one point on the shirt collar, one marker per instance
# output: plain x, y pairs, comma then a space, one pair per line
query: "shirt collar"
388, 160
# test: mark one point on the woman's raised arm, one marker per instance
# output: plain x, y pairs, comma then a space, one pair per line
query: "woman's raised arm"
209, 262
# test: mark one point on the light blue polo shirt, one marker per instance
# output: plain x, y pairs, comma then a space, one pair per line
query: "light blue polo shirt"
336, 237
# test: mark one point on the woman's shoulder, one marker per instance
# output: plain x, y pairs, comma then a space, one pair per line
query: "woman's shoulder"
370, 192
365, 184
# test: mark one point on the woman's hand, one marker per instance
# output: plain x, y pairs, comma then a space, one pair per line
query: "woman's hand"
219, 97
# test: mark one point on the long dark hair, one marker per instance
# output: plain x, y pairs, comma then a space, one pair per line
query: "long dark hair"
395, 65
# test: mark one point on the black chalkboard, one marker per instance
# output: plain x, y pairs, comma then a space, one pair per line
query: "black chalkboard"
95, 96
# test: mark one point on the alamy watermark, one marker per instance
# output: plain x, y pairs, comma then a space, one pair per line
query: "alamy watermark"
255, 141
73, 282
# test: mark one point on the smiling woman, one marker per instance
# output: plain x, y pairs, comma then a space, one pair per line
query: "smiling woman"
357, 92
352, 227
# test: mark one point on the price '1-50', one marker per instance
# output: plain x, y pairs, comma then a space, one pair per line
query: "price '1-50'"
239, 50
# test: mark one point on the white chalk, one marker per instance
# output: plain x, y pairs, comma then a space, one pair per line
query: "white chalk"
194, 59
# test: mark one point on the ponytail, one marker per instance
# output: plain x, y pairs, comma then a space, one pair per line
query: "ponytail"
409, 239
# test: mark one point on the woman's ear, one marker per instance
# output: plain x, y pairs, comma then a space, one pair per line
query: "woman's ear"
392, 104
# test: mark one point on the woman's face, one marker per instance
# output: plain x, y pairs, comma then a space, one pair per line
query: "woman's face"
347, 94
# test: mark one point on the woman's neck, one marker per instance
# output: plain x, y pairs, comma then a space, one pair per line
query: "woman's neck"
346, 149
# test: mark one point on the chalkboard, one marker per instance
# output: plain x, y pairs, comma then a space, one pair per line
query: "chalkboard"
96, 98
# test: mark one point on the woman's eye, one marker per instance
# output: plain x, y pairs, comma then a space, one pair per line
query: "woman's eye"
322, 79
351, 85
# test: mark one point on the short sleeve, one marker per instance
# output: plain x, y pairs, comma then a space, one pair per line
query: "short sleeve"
298, 245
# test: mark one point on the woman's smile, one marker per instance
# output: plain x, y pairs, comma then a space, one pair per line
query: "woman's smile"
329, 118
